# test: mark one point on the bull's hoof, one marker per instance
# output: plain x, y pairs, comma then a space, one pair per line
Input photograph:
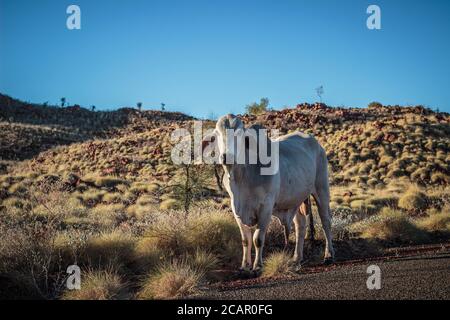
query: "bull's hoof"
244, 273
256, 272
328, 261
298, 268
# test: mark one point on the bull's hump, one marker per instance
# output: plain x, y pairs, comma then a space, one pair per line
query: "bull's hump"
295, 135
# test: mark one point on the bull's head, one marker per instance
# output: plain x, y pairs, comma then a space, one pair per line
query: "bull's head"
236, 144
229, 130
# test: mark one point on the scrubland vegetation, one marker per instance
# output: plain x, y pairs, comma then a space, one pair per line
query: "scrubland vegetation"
98, 189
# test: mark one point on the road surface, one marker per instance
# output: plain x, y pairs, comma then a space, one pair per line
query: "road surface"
423, 276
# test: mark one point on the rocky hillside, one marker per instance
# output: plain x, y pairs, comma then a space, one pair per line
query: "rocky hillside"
373, 145
27, 129
368, 146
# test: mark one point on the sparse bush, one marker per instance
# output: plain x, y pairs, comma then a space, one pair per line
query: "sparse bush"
258, 108
375, 105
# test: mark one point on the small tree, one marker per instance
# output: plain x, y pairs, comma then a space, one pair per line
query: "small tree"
258, 108
375, 105
320, 92
139, 106
63, 102
190, 184
163, 106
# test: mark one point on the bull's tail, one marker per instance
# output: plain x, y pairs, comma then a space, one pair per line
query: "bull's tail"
311, 231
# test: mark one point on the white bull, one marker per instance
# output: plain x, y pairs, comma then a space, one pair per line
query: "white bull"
255, 198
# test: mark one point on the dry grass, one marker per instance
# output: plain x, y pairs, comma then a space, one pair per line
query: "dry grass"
215, 232
170, 281
109, 248
391, 225
98, 285
413, 200
436, 222
277, 263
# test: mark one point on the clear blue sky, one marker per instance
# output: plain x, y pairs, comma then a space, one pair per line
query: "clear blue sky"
216, 56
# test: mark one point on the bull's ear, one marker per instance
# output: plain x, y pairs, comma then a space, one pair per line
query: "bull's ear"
237, 123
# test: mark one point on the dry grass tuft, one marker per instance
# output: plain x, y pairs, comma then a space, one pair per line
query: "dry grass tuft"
98, 285
215, 232
436, 222
413, 200
391, 225
278, 263
170, 281
109, 248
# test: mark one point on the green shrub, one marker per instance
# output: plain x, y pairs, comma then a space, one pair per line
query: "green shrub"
375, 105
258, 108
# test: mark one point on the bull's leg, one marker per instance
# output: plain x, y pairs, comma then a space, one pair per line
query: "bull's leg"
323, 204
258, 240
246, 235
300, 232
286, 231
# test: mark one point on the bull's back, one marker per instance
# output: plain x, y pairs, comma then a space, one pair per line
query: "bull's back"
299, 156
299, 146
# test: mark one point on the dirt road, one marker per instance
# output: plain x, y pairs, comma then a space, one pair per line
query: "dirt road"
425, 275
